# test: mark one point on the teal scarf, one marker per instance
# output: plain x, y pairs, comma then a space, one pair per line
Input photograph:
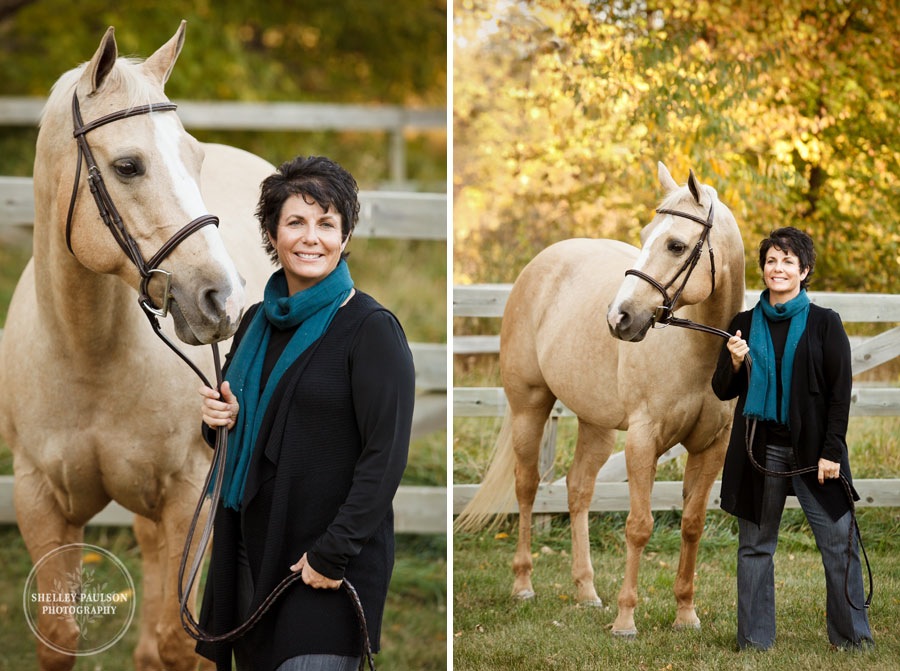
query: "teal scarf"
311, 311
762, 392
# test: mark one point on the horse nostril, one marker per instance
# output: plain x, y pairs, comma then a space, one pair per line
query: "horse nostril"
212, 304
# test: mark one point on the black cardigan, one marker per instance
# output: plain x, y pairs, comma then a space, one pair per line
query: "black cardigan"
819, 409
328, 460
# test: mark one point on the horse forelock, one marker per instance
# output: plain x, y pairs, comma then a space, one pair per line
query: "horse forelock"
126, 81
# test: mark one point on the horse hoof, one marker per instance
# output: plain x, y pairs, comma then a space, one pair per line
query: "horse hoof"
686, 626
592, 603
625, 634
524, 595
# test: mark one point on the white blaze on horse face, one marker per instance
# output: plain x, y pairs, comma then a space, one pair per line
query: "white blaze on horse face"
168, 136
631, 282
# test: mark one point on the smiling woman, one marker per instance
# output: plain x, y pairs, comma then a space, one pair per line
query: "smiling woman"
319, 390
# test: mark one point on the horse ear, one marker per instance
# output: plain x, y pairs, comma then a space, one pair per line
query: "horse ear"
103, 60
160, 64
665, 178
694, 186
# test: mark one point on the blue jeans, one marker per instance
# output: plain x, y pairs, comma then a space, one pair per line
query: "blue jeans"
320, 663
847, 627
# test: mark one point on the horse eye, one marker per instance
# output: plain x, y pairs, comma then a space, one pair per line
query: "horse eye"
676, 247
128, 167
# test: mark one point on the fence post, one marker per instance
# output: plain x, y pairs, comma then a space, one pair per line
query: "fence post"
398, 157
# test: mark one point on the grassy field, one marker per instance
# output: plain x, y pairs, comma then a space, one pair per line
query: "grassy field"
493, 631
414, 634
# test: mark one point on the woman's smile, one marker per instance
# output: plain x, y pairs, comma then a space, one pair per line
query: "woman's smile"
309, 242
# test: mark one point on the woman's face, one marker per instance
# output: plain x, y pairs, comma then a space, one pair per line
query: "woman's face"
782, 275
308, 242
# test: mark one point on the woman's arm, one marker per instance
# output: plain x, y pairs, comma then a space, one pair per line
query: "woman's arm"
728, 380
838, 386
383, 385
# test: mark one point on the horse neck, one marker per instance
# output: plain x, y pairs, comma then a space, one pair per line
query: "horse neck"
89, 311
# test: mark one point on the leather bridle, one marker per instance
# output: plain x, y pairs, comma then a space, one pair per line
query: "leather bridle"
111, 216
147, 270
663, 315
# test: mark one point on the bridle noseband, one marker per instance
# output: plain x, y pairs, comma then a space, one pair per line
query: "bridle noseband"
663, 314
110, 214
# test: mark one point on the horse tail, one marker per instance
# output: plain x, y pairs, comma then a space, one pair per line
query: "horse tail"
497, 490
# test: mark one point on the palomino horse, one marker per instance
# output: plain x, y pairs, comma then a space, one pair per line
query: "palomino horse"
554, 344
95, 407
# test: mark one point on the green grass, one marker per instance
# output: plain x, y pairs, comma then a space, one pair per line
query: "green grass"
414, 628
493, 631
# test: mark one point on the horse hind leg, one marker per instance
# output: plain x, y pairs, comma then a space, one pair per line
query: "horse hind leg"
593, 448
527, 428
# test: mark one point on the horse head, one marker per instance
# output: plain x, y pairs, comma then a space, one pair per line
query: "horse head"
676, 265
136, 161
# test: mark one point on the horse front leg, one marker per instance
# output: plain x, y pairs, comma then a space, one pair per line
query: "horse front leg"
146, 654
641, 465
176, 648
44, 529
591, 452
699, 475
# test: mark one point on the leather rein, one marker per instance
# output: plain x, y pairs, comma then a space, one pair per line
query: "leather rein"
147, 270
663, 316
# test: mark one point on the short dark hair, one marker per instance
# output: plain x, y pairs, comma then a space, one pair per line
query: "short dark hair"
314, 177
791, 240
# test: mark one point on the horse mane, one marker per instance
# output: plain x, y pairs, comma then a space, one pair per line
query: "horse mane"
126, 78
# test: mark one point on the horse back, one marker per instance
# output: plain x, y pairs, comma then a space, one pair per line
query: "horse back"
230, 181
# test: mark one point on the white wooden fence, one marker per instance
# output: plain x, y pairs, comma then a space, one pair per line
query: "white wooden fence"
279, 116
382, 215
488, 300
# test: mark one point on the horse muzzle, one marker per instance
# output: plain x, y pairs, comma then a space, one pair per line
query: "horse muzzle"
628, 323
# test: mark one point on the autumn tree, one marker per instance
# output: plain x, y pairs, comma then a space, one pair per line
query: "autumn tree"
788, 109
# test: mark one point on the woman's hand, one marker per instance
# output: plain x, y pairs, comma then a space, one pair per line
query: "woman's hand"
312, 577
828, 470
738, 348
219, 409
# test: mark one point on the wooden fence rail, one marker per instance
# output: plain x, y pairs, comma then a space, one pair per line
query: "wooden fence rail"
382, 214
278, 116
488, 300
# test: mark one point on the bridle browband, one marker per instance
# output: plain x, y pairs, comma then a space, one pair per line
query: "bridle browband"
214, 479
663, 313
110, 214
